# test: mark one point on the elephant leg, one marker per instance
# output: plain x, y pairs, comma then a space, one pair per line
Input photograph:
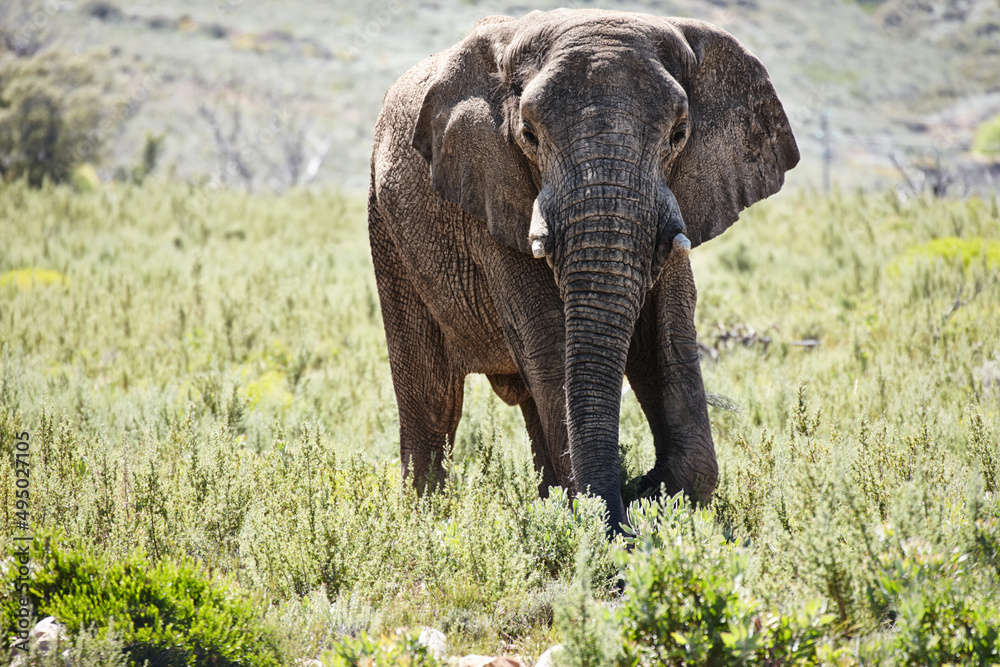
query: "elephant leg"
665, 374
429, 388
512, 391
530, 312
430, 408
539, 450
643, 376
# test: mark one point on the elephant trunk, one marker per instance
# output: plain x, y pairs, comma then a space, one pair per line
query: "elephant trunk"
603, 261
597, 338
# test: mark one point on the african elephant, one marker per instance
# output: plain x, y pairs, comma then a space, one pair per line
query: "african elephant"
535, 192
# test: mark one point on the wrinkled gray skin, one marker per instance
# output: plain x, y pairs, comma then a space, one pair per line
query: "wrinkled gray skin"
590, 139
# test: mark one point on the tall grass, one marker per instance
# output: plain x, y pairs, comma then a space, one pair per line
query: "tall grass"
204, 376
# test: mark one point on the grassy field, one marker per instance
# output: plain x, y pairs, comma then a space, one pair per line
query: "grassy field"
204, 382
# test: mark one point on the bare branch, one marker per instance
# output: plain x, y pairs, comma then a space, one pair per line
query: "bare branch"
902, 171
981, 286
228, 147
322, 149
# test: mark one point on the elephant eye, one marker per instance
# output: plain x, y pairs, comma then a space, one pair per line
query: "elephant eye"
678, 134
528, 133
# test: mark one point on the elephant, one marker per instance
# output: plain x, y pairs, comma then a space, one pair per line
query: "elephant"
535, 193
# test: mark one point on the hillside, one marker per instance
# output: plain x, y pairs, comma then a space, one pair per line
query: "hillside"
895, 78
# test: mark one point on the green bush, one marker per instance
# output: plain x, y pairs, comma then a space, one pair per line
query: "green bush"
987, 139
940, 615
152, 150
90, 648
51, 114
166, 614
687, 600
395, 649
484, 551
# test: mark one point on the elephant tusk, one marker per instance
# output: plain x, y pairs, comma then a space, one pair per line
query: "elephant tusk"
538, 232
538, 248
682, 244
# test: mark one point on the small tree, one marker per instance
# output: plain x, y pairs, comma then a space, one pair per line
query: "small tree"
51, 112
987, 140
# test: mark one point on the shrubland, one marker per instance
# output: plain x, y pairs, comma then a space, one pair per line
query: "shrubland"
204, 381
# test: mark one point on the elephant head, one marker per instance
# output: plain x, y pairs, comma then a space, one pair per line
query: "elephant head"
617, 142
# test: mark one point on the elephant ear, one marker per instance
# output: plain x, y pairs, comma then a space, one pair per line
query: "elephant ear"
740, 144
460, 132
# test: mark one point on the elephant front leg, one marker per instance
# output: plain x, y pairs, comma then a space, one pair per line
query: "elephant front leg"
428, 419
665, 374
512, 391
429, 388
530, 314
428, 395
541, 452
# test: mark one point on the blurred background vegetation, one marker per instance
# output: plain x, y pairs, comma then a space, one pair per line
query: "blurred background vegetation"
190, 334
266, 96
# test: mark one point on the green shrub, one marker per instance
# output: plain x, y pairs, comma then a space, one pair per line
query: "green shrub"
985, 252
90, 648
395, 649
169, 613
875, 468
687, 600
483, 551
984, 451
51, 114
152, 150
745, 487
987, 139
940, 615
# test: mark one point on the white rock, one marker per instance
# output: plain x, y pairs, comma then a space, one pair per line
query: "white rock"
435, 641
44, 637
47, 634
476, 661
488, 661
548, 659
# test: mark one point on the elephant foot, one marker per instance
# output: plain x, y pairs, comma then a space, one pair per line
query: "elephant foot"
655, 484
651, 485
640, 487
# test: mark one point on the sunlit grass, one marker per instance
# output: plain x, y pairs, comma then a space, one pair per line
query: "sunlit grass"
204, 375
